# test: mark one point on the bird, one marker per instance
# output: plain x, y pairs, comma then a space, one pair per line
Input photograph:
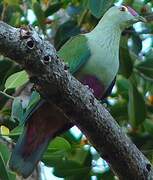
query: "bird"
93, 58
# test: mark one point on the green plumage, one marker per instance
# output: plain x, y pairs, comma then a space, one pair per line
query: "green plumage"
75, 52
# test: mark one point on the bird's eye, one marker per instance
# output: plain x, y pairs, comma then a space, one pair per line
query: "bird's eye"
123, 8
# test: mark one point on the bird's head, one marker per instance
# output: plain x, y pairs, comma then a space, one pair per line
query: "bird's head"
123, 16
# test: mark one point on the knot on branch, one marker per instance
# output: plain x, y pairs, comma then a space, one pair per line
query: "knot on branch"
24, 32
30, 43
148, 166
66, 66
47, 59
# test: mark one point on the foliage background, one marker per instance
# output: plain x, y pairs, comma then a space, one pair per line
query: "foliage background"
131, 102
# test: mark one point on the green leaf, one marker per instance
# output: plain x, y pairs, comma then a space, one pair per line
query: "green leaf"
122, 86
146, 1
12, 175
3, 171
126, 65
16, 80
5, 155
14, 68
83, 157
53, 158
5, 65
17, 110
136, 43
146, 68
58, 144
16, 131
53, 8
56, 150
136, 106
148, 125
4, 152
119, 111
39, 13
70, 168
99, 7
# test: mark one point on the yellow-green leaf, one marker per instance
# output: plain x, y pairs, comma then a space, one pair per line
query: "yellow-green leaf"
16, 80
3, 170
11, 2
4, 130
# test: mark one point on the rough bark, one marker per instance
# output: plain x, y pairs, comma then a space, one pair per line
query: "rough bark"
58, 86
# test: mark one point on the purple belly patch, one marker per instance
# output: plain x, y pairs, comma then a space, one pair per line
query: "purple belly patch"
95, 84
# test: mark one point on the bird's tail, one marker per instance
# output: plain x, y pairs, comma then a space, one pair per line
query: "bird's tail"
44, 124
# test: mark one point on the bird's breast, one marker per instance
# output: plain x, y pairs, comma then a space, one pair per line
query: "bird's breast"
103, 64
99, 71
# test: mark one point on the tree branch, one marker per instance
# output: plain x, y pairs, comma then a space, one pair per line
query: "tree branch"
58, 86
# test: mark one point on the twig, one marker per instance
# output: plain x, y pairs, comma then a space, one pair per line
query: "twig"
6, 95
83, 16
4, 11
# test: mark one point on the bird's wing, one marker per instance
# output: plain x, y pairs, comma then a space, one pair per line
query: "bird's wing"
75, 52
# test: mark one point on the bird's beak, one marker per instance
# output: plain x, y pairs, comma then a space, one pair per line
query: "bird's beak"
140, 18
